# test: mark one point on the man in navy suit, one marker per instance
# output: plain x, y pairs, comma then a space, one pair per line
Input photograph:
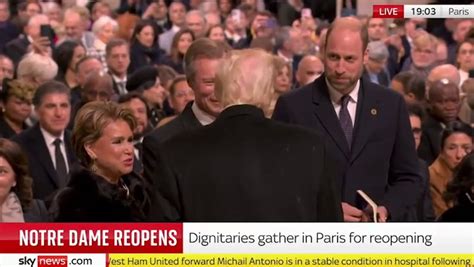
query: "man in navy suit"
367, 127
48, 144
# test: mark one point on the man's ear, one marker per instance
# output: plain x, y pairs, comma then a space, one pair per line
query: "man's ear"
366, 55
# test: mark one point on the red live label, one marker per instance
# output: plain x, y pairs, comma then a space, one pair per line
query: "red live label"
388, 11
52, 261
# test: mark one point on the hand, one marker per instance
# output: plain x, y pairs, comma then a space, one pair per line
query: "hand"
41, 46
382, 214
351, 213
150, 11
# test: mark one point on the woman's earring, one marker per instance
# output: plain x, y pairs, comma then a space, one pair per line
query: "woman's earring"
93, 167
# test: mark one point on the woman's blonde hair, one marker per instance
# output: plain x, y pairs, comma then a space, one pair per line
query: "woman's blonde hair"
246, 77
90, 122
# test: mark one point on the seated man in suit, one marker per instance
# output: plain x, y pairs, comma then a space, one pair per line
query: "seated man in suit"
376, 60
367, 128
117, 56
18, 47
261, 170
47, 144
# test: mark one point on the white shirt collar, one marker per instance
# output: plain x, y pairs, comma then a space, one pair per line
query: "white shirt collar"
287, 59
464, 75
49, 138
117, 79
175, 28
202, 116
336, 95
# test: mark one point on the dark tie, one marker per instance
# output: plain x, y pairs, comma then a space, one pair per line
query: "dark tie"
60, 163
345, 119
122, 88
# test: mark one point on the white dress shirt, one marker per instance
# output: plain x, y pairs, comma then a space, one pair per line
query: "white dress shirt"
463, 75
202, 116
122, 90
351, 106
49, 140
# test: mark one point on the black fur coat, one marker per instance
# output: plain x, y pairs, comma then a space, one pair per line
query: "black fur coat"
90, 198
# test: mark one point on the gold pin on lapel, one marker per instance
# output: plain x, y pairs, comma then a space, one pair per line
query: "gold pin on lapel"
373, 111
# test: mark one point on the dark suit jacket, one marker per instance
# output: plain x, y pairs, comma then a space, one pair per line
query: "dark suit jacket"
430, 144
17, 48
245, 167
185, 122
382, 161
45, 178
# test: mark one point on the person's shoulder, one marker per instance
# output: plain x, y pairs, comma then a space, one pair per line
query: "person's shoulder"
294, 131
166, 131
459, 213
26, 136
380, 91
303, 92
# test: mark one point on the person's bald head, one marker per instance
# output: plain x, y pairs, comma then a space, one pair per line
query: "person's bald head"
349, 24
445, 71
309, 69
97, 86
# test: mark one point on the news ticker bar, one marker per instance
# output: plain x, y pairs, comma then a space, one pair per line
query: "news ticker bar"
423, 11
243, 238
139, 260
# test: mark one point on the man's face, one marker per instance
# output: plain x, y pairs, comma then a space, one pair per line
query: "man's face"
343, 62
87, 67
6, 69
424, 56
296, 43
259, 22
376, 29
375, 66
138, 109
33, 29
118, 60
445, 103
32, 9
177, 13
203, 86
196, 24
161, 10
310, 70
465, 57
4, 12
100, 91
54, 112
73, 26
461, 30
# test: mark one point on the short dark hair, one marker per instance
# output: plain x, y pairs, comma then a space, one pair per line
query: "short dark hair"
115, 42
178, 79
412, 83
133, 95
415, 110
50, 87
455, 127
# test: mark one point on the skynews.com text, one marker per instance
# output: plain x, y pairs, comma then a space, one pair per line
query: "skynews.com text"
54, 261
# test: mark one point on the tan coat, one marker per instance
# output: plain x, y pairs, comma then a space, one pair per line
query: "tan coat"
440, 176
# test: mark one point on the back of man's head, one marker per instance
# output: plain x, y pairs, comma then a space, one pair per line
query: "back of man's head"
235, 84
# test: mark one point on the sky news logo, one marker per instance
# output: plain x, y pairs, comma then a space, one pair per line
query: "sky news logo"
44, 261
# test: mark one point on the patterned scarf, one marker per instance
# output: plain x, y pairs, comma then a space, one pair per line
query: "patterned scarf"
10, 210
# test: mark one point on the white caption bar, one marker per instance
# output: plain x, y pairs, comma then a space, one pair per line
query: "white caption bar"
439, 11
52, 259
328, 238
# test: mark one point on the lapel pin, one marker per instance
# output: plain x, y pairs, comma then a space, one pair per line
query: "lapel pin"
373, 111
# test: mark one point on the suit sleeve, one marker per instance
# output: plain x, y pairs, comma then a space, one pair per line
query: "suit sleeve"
329, 200
165, 204
404, 179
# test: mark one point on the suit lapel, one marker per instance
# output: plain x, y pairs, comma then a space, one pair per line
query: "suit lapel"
326, 114
42, 150
189, 119
367, 110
